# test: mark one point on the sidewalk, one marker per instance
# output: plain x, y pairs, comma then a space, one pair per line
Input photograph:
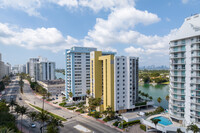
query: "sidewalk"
84, 115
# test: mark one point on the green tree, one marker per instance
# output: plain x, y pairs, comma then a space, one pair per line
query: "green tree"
146, 79
12, 104
6, 130
70, 94
93, 103
155, 121
159, 100
48, 94
193, 128
3, 107
88, 92
23, 111
42, 117
32, 116
167, 98
21, 84
151, 98
53, 125
179, 130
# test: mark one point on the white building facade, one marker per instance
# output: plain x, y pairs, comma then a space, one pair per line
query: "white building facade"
77, 71
125, 82
184, 103
41, 69
4, 68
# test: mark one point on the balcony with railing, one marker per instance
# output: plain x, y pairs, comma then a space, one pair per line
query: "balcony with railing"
195, 81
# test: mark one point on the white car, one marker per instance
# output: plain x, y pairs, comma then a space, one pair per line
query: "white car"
33, 125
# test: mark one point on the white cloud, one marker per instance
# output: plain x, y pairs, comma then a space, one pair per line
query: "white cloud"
185, 1
31, 6
97, 5
44, 38
28, 6
117, 28
134, 51
68, 3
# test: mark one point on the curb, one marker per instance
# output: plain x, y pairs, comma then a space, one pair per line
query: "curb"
88, 117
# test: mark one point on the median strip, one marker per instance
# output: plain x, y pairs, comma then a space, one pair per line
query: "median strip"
51, 114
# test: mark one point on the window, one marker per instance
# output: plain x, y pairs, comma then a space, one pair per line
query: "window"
182, 41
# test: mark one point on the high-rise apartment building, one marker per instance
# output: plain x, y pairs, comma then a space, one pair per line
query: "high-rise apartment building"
77, 71
114, 79
102, 78
184, 103
4, 68
41, 69
126, 82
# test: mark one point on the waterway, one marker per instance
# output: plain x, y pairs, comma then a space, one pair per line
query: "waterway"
156, 91
153, 90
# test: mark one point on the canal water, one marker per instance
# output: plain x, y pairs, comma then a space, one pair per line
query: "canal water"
153, 90
156, 91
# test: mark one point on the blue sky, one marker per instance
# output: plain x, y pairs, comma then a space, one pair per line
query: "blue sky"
130, 27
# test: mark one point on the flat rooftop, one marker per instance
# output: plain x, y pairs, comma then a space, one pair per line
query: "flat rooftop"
53, 82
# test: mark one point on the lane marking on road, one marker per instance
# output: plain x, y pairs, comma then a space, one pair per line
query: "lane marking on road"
82, 128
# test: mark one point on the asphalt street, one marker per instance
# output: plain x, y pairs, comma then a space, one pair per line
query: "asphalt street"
12, 92
73, 119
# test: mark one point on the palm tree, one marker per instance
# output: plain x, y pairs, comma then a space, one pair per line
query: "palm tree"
12, 103
42, 117
88, 92
23, 110
32, 116
48, 95
155, 121
151, 98
179, 130
167, 97
70, 94
21, 84
6, 130
159, 100
53, 125
17, 109
193, 128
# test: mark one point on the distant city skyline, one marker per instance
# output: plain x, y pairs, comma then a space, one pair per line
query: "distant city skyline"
129, 27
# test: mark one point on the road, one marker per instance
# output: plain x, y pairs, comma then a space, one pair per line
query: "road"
12, 92
73, 119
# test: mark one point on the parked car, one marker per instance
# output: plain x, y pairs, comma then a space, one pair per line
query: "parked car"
53, 99
20, 98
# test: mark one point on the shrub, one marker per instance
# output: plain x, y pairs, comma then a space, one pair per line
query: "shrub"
62, 104
71, 108
126, 124
80, 110
116, 123
157, 111
142, 103
95, 114
108, 119
143, 127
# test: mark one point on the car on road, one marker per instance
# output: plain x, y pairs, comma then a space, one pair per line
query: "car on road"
53, 99
20, 98
33, 125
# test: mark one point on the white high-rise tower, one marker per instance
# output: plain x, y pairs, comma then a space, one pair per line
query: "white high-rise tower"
184, 103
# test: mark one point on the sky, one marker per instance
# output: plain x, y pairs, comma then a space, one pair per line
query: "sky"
142, 28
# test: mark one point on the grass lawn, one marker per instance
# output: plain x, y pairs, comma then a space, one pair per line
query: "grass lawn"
51, 114
165, 83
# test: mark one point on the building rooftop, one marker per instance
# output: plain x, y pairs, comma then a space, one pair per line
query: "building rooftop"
53, 82
190, 28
